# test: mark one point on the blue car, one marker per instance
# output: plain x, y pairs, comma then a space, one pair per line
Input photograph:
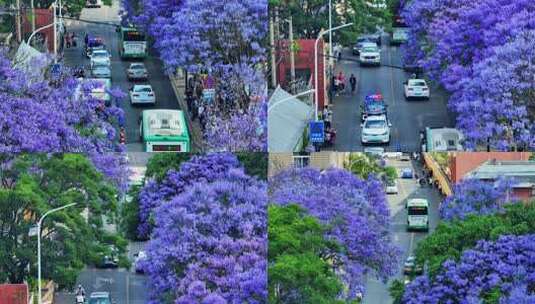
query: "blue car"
373, 105
406, 173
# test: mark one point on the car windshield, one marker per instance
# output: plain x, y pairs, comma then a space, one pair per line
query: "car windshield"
363, 39
99, 301
100, 54
137, 67
144, 89
418, 83
369, 49
375, 124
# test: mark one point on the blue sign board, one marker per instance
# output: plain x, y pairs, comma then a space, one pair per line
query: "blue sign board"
317, 131
55, 70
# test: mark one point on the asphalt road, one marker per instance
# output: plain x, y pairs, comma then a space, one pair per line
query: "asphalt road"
377, 291
165, 96
407, 117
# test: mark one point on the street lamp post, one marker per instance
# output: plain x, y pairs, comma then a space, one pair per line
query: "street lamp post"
330, 36
40, 300
316, 62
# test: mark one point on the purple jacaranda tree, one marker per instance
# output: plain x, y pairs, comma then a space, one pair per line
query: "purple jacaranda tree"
209, 243
478, 51
505, 265
201, 168
356, 213
41, 113
473, 196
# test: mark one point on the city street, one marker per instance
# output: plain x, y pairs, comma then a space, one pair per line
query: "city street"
165, 96
125, 287
407, 117
376, 291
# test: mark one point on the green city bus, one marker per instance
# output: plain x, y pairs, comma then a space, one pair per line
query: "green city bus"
417, 214
132, 43
164, 131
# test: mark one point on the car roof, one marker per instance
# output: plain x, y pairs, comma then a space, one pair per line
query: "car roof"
142, 86
369, 44
100, 294
376, 117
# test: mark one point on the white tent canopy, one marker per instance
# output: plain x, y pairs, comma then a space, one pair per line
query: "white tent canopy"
286, 121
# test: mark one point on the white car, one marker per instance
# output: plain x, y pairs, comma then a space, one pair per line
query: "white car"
370, 54
142, 94
103, 85
100, 57
416, 88
101, 71
375, 129
391, 187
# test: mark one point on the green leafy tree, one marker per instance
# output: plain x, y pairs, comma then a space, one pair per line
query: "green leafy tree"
450, 239
130, 214
363, 165
30, 185
299, 272
254, 163
160, 163
311, 16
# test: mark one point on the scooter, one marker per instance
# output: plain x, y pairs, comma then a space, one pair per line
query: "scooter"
80, 299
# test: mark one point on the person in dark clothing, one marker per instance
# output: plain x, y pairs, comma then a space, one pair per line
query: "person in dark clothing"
189, 99
353, 82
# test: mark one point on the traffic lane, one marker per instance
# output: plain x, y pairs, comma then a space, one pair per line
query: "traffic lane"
165, 97
124, 286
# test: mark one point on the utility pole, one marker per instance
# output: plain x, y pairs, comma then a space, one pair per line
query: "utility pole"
292, 53
330, 38
55, 33
33, 15
273, 59
18, 24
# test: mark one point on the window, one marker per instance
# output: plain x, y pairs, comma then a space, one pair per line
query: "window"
301, 161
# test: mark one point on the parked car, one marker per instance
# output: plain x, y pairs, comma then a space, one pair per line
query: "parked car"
142, 94
375, 129
139, 258
100, 297
93, 3
101, 71
416, 88
406, 173
391, 187
411, 267
109, 258
370, 54
360, 41
100, 57
137, 71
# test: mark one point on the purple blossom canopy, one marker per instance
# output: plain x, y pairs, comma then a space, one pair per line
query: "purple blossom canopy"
356, 212
199, 169
209, 244
507, 264
483, 53
473, 196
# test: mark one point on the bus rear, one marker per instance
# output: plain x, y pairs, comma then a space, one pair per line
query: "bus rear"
164, 131
417, 214
132, 43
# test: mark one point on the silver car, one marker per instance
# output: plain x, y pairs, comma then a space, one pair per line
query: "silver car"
101, 71
137, 71
142, 94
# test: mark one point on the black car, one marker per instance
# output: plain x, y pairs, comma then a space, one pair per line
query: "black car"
109, 257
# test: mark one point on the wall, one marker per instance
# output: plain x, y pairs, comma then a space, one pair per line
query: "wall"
42, 17
462, 163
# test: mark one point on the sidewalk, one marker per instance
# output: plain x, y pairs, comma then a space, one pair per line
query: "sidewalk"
194, 127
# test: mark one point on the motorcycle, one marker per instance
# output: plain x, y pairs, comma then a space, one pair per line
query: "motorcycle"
80, 299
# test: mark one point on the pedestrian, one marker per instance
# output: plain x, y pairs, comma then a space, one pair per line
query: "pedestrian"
194, 110
353, 82
339, 54
325, 113
73, 39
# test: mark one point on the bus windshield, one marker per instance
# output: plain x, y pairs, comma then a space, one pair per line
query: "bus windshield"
133, 35
417, 210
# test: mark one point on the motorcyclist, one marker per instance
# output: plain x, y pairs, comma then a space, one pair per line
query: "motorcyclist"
80, 291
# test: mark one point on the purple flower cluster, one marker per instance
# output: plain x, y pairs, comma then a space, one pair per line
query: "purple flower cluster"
199, 169
483, 53
473, 196
507, 264
209, 244
356, 212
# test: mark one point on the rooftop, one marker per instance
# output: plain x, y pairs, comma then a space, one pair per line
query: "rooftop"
523, 172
